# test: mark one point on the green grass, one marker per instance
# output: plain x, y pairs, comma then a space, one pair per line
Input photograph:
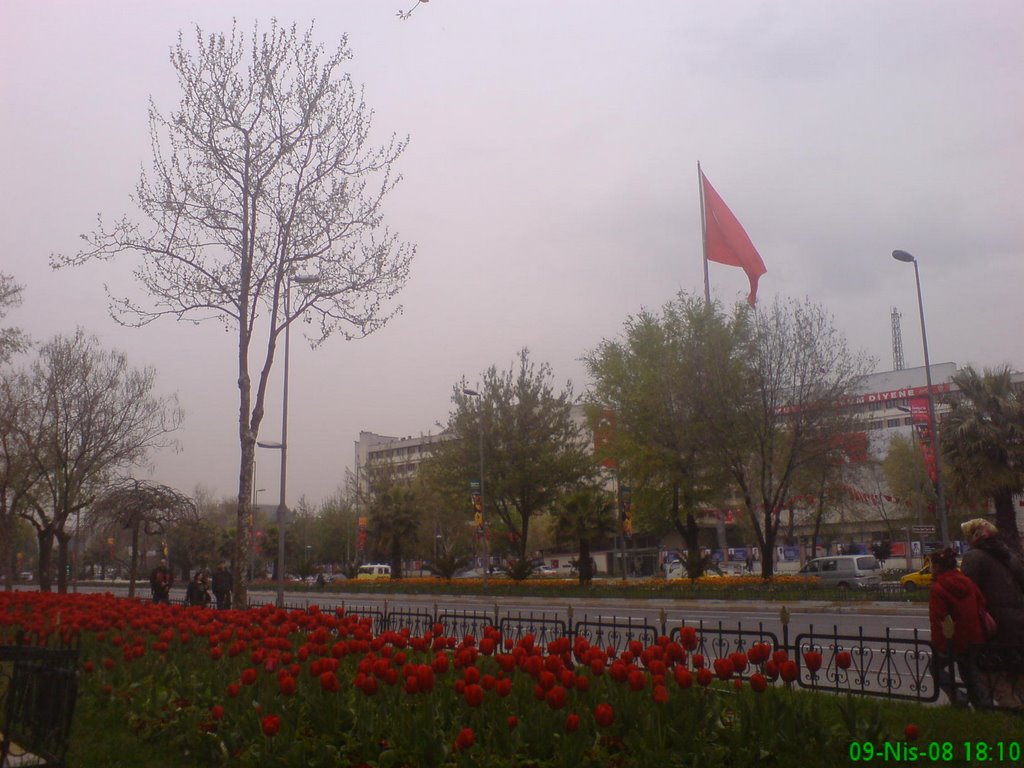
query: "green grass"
101, 737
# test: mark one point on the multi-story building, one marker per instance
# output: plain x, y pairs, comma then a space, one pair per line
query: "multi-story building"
402, 454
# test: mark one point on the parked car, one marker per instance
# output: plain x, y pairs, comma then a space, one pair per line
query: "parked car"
844, 571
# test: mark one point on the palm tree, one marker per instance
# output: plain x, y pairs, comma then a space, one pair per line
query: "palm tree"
394, 520
587, 513
983, 442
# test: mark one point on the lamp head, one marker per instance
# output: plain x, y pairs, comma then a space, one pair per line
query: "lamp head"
903, 256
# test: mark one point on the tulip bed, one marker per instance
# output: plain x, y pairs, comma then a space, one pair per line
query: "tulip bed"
269, 687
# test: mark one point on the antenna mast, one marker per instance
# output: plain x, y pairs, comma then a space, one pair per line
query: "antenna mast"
897, 342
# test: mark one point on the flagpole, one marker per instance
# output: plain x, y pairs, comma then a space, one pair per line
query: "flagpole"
704, 236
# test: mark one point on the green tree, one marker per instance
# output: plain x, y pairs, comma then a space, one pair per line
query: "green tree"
394, 517
336, 529
533, 448
654, 379
582, 516
907, 477
983, 442
264, 173
778, 407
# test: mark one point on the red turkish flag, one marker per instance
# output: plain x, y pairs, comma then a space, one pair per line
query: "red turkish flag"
726, 242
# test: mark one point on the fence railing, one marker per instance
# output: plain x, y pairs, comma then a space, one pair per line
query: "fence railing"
886, 666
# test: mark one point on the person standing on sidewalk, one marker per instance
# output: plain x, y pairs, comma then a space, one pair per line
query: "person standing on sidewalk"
955, 596
223, 585
999, 573
160, 582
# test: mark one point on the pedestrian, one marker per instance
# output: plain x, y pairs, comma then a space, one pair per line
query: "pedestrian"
160, 582
954, 596
999, 573
197, 593
223, 585
320, 580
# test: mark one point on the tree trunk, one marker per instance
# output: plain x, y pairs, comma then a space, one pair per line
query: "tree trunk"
583, 563
45, 539
244, 519
62, 561
396, 557
133, 568
1006, 518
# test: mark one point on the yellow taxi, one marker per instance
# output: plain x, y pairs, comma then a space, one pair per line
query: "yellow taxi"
921, 579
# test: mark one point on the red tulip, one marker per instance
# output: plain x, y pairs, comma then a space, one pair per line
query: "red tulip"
217, 712
684, 678
723, 668
329, 682
604, 715
704, 677
812, 659
464, 740
474, 695
286, 685
572, 723
688, 637
788, 671
843, 660
758, 682
556, 697
271, 724
912, 732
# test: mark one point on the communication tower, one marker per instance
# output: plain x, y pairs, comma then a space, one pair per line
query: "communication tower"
897, 342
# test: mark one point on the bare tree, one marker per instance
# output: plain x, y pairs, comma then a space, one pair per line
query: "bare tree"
264, 173
15, 477
783, 411
85, 415
12, 340
142, 507
18, 475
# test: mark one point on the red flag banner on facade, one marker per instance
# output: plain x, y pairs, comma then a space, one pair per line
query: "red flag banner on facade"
922, 420
725, 240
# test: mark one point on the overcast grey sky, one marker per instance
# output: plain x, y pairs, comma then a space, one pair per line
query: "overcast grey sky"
551, 187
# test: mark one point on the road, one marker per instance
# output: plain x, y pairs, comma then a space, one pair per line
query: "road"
844, 618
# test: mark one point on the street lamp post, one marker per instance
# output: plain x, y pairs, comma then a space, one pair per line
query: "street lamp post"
283, 445
480, 424
934, 426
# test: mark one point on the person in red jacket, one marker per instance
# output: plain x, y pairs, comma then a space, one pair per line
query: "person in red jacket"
954, 595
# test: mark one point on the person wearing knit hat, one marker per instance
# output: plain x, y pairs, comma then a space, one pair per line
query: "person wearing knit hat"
999, 573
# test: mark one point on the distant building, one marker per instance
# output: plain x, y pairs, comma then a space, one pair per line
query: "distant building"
402, 454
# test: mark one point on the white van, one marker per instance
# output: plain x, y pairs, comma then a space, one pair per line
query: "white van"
845, 571
374, 571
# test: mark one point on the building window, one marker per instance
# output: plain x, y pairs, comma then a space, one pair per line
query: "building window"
892, 423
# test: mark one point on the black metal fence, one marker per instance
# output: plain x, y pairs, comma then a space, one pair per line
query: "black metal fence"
885, 666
